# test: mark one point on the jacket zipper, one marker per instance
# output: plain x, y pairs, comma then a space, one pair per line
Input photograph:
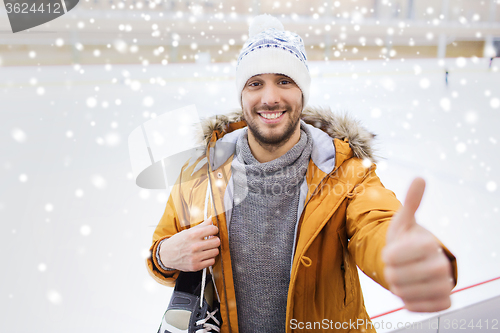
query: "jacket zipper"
221, 261
303, 210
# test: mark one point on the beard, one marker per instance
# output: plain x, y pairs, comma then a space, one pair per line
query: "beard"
275, 139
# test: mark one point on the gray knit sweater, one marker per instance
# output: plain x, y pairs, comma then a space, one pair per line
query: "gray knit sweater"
262, 230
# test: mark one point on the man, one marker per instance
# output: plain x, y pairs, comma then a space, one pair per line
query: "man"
295, 206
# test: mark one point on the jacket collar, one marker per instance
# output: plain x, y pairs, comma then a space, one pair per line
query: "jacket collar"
222, 131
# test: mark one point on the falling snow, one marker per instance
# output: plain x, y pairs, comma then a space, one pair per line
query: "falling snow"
495, 103
40, 91
144, 194
99, 182
78, 119
461, 62
161, 198
445, 104
54, 297
376, 113
85, 230
471, 117
425, 83
19, 135
148, 101
112, 139
491, 186
91, 102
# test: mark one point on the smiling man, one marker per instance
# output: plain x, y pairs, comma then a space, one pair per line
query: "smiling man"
272, 106
295, 206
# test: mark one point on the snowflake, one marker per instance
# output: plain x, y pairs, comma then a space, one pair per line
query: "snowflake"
120, 46
495, 103
91, 102
135, 85
148, 101
425, 83
161, 198
491, 186
471, 117
99, 182
445, 104
112, 139
79, 193
54, 297
23, 178
461, 147
19, 135
461, 62
144, 194
85, 230
49, 207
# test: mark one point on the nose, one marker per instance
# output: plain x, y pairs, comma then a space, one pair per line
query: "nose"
270, 95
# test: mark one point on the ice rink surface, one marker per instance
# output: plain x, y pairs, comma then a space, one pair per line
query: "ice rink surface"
75, 228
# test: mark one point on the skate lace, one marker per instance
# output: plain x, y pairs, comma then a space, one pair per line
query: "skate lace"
206, 326
204, 275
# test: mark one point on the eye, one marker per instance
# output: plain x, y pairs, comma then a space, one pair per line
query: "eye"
254, 84
285, 81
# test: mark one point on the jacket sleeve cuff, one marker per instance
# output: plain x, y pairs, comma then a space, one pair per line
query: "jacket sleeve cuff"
155, 258
158, 259
453, 262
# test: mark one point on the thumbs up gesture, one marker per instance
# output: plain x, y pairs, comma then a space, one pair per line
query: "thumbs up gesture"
416, 268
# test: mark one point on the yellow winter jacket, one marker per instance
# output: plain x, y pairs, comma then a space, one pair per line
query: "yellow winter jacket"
343, 223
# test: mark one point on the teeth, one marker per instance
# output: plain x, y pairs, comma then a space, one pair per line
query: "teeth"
271, 115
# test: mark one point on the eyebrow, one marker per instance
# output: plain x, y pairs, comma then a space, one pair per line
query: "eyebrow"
287, 77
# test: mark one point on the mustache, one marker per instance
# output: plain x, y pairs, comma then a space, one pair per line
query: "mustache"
272, 108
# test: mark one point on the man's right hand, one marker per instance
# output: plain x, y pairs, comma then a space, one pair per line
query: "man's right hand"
189, 251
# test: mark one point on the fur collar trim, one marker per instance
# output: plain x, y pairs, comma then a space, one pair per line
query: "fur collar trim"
338, 126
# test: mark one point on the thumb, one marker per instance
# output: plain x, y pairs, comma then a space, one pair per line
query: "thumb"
405, 217
205, 223
208, 221
414, 195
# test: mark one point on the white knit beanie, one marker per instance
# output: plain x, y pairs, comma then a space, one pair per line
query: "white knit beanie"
272, 50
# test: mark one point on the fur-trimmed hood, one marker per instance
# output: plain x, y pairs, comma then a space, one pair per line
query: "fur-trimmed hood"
337, 126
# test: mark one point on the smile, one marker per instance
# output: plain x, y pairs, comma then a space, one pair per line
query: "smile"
269, 115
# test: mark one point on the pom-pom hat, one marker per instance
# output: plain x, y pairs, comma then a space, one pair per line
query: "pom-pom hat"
272, 50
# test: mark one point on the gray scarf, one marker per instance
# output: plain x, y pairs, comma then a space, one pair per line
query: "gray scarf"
262, 230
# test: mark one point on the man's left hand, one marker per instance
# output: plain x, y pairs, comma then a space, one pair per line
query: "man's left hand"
416, 268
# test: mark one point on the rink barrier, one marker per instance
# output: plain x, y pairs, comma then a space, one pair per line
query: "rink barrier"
453, 292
